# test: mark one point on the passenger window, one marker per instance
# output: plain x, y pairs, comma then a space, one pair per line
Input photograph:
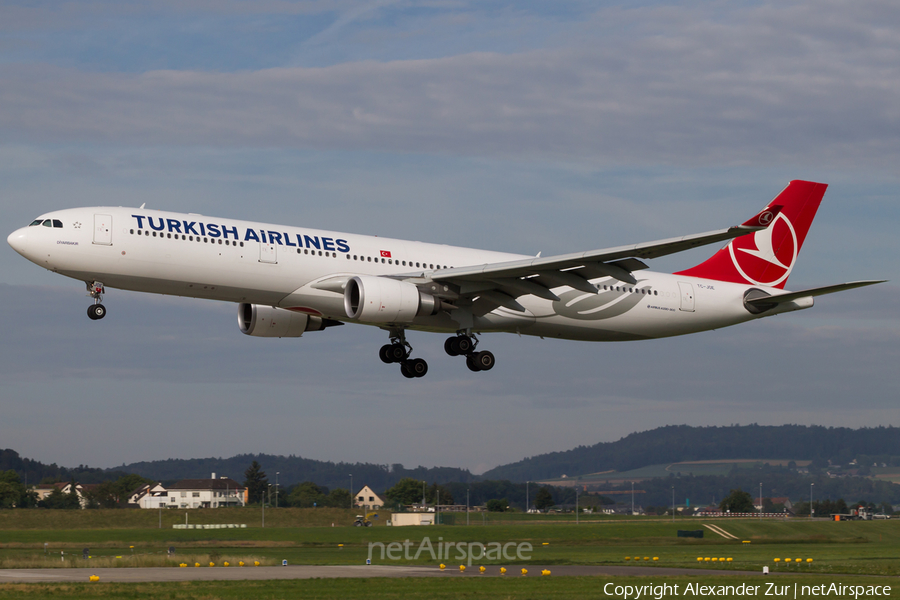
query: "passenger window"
57, 223
132, 232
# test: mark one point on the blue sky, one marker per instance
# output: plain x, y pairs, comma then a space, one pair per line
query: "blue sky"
523, 127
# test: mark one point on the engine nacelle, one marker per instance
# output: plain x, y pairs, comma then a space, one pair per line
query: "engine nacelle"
268, 321
383, 300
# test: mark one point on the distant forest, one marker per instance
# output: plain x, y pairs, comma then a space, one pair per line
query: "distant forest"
678, 443
295, 469
663, 445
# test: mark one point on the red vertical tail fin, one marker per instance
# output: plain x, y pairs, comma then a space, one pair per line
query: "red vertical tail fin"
767, 257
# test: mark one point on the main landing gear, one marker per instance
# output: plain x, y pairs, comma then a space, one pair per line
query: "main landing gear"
398, 351
96, 310
464, 345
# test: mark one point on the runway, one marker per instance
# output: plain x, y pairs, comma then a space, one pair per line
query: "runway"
158, 574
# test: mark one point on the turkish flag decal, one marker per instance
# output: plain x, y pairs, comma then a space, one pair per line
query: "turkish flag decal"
385, 254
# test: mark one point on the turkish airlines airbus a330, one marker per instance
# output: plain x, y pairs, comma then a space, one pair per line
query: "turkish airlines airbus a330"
290, 280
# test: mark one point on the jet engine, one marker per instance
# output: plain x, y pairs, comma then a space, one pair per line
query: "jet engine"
268, 321
383, 300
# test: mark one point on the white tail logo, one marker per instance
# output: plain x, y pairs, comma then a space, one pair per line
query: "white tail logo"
765, 250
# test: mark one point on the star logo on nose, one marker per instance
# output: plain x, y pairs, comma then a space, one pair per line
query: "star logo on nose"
77, 225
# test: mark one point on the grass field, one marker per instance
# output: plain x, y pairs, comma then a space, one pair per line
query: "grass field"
846, 552
857, 547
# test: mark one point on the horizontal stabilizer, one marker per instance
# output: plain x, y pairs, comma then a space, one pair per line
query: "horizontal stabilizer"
768, 302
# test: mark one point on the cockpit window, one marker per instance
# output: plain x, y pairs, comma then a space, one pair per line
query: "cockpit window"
47, 223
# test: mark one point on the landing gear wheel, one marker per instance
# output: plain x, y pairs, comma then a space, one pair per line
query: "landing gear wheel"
397, 352
385, 354
404, 370
463, 345
418, 367
96, 311
450, 346
484, 360
470, 362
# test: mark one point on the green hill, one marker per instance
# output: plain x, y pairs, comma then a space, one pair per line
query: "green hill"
679, 443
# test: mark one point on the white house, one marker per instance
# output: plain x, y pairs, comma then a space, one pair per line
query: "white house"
368, 499
206, 493
44, 490
150, 496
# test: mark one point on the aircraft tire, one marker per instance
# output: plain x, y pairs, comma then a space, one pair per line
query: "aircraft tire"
463, 345
404, 370
96, 311
470, 362
385, 354
418, 367
485, 360
398, 352
450, 346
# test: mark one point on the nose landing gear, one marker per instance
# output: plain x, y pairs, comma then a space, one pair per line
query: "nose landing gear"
96, 310
464, 345
398, 351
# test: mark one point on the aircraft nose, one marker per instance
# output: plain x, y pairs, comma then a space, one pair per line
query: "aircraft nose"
18, 239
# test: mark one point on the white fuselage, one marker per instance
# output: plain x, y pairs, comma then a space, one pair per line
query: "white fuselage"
275, 265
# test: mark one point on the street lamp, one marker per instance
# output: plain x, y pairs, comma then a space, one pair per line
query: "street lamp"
467, 506
760, 500
632, 498
811, 510
576, 505
526, 496
276, 488
351, 490
673, 503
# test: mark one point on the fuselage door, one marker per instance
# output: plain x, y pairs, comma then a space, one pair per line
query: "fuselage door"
268, 253
103, 229
687, 296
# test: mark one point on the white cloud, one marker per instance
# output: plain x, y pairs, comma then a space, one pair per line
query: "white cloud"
688, 90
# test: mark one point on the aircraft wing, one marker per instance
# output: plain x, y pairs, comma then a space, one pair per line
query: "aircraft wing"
501, 283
